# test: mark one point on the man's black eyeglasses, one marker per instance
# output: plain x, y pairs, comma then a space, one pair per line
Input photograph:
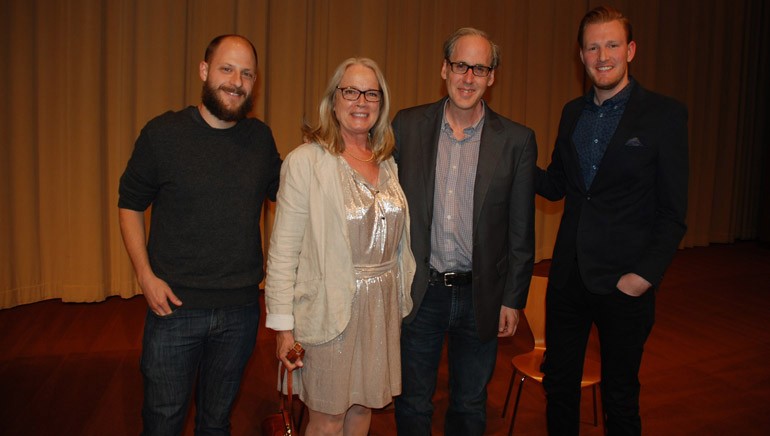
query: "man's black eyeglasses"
462, 68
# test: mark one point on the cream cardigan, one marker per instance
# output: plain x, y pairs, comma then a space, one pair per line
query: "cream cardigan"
310, 277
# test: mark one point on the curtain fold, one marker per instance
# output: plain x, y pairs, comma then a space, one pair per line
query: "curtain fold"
80, 78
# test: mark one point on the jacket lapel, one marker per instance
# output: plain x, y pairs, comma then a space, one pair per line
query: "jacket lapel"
490, 149
429, 148
573, 170
327, 176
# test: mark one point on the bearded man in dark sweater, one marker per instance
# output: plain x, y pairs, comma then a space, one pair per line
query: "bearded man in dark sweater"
206, 170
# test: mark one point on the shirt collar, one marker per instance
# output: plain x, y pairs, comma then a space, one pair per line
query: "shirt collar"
618, 100
469, 131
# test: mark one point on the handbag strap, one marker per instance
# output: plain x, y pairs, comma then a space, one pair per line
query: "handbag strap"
288, 398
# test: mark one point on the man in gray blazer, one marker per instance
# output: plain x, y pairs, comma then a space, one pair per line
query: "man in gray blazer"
468, 174
620, 161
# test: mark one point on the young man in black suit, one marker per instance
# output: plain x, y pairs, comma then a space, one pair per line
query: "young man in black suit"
468, 174
620, 160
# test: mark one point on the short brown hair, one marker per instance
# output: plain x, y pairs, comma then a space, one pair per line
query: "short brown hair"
214, 45
449, 44
604, 14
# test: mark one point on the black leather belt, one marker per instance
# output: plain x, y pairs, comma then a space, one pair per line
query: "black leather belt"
450, 278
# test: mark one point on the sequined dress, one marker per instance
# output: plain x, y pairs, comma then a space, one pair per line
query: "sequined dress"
363, 364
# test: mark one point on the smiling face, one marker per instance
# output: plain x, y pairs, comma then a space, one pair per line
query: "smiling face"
228, 81
606, 53
356, 117
466, 90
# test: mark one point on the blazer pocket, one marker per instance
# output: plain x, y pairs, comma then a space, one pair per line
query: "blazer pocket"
634, 142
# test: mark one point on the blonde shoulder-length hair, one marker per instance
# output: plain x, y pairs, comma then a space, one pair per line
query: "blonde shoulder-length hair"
327, 133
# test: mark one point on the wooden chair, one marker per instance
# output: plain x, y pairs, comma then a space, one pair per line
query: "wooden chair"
528, 364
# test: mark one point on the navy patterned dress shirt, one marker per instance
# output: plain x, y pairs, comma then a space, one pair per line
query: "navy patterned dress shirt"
595, 128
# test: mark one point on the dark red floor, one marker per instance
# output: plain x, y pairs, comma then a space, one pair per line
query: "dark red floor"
73, 369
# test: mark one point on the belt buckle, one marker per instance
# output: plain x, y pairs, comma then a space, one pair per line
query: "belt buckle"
450, 275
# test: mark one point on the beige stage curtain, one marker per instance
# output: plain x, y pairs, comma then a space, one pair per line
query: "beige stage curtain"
80, 78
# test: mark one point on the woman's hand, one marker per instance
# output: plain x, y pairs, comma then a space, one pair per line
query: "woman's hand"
285, 342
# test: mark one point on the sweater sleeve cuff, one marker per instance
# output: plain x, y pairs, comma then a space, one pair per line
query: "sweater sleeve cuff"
278, 322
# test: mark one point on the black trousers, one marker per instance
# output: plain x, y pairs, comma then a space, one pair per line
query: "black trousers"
623, 323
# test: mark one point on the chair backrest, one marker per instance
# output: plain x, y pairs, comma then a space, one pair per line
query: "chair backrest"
535, 309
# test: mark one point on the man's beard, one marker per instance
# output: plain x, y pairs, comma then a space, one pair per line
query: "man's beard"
214, 104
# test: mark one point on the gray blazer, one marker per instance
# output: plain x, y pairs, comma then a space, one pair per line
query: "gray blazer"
503, 207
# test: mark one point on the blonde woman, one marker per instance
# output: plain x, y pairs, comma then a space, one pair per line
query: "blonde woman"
339, 265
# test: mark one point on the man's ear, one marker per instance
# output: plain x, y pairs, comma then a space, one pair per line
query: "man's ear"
444, 70
203, 70
491, 78
631, 51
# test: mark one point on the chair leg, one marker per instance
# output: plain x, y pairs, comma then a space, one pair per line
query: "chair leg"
596, 420
508, 397
603, 414
516, 405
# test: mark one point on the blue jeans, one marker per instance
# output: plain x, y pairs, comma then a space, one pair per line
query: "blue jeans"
212, 344
444, 311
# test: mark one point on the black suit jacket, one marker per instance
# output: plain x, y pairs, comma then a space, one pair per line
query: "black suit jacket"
633, 216
503, 207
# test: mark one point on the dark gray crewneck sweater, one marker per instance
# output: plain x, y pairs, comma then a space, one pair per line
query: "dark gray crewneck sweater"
206, 187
